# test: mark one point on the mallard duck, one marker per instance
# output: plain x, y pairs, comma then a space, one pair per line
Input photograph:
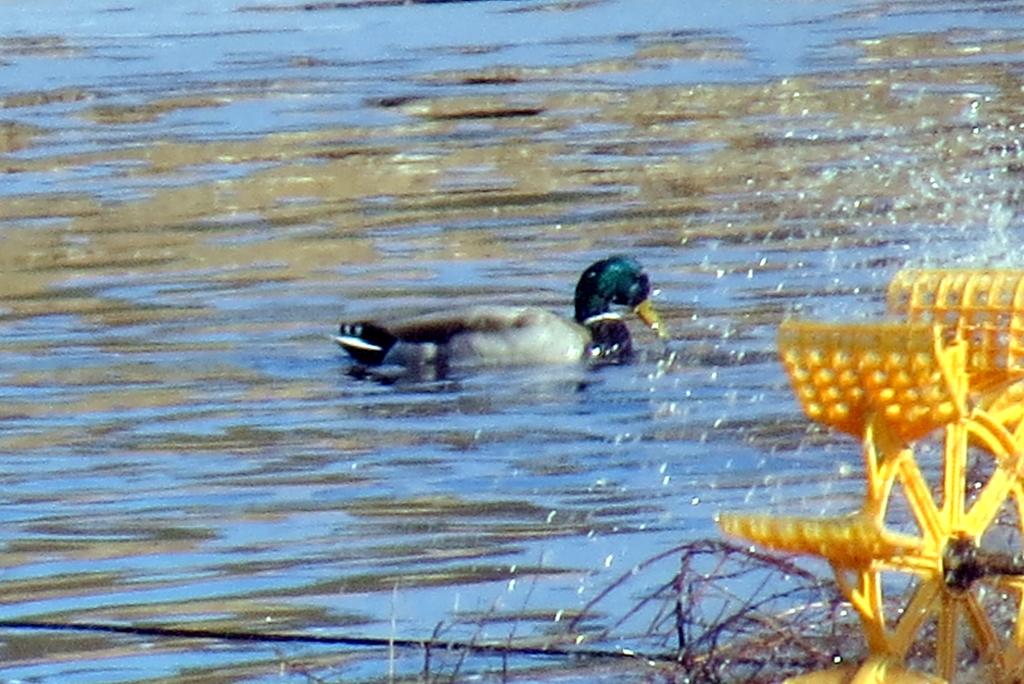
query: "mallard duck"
515, 335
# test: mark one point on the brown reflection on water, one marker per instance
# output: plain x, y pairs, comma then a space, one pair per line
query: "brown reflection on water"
169, 342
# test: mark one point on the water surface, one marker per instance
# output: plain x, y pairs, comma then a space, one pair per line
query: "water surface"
195, 193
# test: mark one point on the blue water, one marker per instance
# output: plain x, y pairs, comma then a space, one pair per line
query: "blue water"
182, 444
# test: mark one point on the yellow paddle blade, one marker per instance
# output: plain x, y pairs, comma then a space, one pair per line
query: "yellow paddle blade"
846, 373
846, 542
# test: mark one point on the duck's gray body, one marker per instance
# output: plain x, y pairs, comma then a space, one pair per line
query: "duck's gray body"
515, 335
481, 336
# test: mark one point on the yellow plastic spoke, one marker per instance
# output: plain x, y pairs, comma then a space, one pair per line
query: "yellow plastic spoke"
984, 634
995, 423
1018, 426
920, 607
955, 471
866, 597
985, 508
881, 459
1014, 585
985, 429
946, 641
922, 505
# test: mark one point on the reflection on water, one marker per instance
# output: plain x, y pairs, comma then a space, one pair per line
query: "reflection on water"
192, 200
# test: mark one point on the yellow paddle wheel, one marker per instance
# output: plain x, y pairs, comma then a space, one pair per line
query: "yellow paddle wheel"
951, 367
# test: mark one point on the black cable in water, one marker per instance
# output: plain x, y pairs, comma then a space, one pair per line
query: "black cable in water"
336, 640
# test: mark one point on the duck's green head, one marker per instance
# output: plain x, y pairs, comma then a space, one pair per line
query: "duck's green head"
615, 280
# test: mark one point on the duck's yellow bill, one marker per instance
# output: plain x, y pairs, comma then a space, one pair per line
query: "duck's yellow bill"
645, 310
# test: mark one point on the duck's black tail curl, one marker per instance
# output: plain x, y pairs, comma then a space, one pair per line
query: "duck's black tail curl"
367, 343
